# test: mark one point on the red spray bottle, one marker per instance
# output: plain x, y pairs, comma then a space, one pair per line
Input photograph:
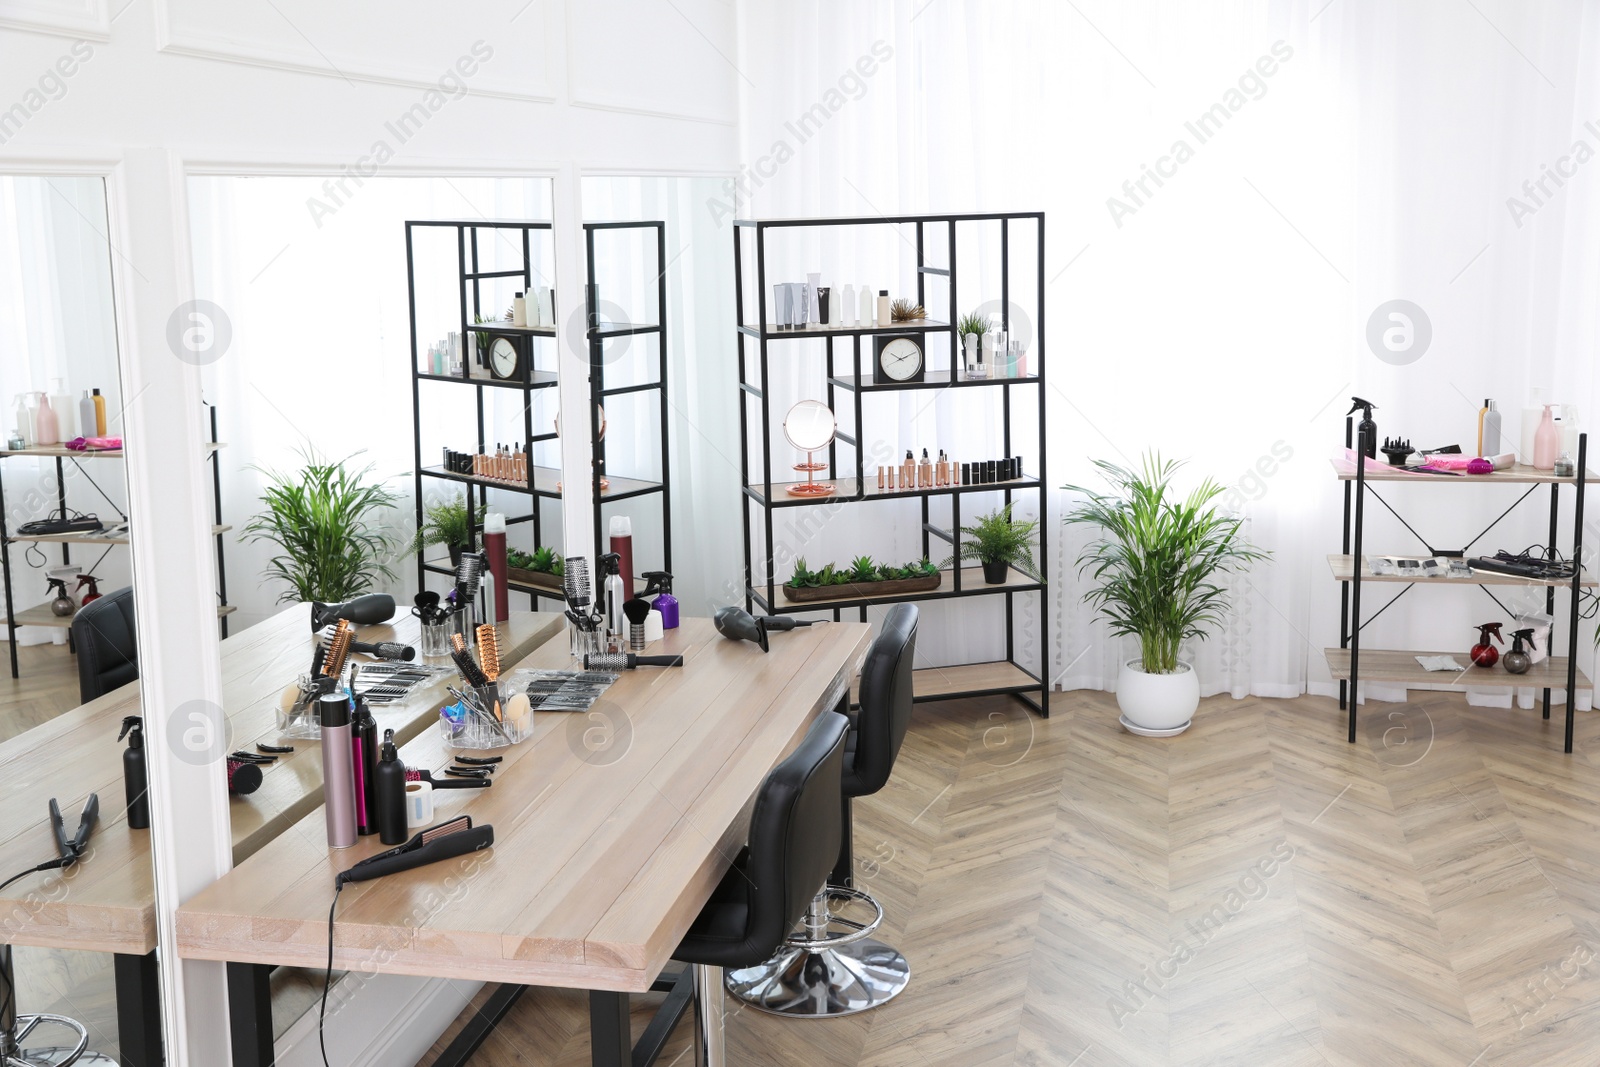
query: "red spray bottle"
1483, 653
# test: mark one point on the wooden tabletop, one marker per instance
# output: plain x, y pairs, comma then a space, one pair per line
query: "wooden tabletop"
105, 903
611, 829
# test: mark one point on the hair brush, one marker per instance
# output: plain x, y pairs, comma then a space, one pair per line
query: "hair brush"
489, 651
576, 583
463, 661
469, 572
338, 650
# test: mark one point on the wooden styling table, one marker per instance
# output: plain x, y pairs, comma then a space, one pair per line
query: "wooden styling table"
612, 827
106, 902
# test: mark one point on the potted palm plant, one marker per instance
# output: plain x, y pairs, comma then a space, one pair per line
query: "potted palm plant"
324, 522
1154, 566
999, 542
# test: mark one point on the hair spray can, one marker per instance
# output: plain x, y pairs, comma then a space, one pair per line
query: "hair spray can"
338, 769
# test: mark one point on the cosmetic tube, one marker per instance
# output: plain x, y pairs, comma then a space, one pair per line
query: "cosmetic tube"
338, 769
824, 310
885, 315
519, 310
813, 299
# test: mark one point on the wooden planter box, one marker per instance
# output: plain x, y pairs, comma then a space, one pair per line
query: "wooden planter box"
542, 580
865, 589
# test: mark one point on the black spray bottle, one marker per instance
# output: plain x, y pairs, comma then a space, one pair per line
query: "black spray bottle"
135, 782
364, 754
1366, 429
390, 794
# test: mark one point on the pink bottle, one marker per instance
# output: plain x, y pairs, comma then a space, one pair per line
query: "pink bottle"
1546, 441
48, 429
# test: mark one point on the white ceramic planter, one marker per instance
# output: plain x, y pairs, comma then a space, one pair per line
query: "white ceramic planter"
1157, 704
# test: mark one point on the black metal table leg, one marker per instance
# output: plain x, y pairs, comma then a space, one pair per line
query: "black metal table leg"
138, 1010
478, 1029
250, 1014
610, 1040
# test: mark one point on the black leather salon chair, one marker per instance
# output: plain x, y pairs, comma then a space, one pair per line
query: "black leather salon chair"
108, 654
794, 841
821, 972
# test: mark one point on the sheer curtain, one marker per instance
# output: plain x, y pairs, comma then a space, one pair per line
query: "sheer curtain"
1232, 191
57, 324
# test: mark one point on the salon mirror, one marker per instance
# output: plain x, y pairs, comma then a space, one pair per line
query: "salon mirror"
810, 425
62, 542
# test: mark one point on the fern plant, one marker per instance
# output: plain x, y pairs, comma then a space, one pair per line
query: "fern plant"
1155, 560
972, 322
446, 523
998, 538
324, 522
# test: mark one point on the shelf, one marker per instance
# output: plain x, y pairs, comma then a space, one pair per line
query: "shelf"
62, 452
639, 584
545, 480
506, 327
1521, 474
542, 379
1387, 665
912, 326
963, 680
933, 380
1341, 568
889, 220
847, 491
622, 329
91, 539
972, 584
41, 615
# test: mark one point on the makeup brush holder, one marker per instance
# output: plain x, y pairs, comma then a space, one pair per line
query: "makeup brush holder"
436, 638
472, 728
584, 642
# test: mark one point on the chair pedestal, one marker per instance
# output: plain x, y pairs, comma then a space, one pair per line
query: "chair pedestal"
15, 1030
708, 1016
819, 974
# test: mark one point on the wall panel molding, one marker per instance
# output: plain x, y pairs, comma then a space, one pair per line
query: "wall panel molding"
86, 19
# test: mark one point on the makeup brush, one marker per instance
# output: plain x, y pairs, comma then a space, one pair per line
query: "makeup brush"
338, 650
637, 610
489, 651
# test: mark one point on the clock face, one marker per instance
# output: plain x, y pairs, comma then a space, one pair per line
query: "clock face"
901, 359
503, 358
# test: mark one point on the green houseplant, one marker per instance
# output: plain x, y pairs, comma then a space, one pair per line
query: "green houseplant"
863, 575
999, 542
323, 519
448, 523
1153, 566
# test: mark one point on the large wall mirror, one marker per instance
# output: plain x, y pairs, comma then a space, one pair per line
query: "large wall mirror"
76, 941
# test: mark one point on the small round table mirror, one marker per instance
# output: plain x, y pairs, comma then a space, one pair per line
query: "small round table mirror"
810, 425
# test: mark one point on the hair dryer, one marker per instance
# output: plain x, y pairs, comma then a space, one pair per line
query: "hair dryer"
363, 611
736, 624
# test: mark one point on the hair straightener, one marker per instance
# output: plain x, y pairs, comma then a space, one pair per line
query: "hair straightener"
445, 841
71, 848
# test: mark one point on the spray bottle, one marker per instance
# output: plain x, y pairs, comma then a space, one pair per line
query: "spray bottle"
63, 604
1483, 653
614, 595
135, 782
660, 586
94, 587
1366, 429
1518, 661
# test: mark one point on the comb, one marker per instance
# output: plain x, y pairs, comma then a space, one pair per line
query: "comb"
338, 649
489, 651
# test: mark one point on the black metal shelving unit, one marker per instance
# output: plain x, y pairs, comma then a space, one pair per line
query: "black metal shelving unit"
543, 483
1349, 661
763, 496
41, 615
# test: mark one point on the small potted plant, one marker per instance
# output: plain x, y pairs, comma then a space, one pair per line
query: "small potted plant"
971, 328
1154, 565
1000, 542
447, 523
863, 577
541, 568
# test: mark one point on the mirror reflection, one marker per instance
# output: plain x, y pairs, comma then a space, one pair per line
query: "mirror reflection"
77, 933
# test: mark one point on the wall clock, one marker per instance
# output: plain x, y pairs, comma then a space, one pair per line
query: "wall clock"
897, 360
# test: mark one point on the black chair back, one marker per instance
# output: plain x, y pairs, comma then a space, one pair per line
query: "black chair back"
795, 833
885, 703
107, 643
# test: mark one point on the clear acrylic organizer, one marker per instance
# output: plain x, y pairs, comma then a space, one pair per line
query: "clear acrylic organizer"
477, 730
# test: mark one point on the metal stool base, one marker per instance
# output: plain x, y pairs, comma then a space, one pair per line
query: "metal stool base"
52, 1057
823, 984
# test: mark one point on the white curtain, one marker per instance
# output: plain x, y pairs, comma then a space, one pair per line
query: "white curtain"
57, 330
1232, 189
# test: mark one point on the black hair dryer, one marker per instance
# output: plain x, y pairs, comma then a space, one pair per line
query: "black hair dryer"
736, 624
363, 611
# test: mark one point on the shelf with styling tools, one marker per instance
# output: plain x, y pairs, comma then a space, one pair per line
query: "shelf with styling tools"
1350, 664
72, 534
885, 347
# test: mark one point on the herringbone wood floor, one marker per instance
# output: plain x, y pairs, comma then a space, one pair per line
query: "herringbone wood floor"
1256, 892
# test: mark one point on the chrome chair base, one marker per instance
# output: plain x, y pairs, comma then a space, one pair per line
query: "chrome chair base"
828, 983
59, 1057
13, 1054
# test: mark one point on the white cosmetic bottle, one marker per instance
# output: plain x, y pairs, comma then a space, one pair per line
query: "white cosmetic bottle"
847, 305
866, 306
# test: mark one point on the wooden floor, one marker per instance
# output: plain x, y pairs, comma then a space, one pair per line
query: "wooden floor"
1256, 892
